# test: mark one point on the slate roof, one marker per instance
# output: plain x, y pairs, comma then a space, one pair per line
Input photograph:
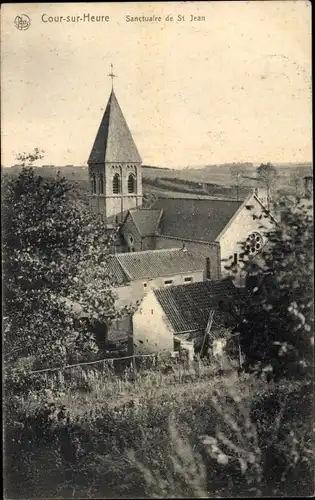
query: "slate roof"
150, 264
114, 142
195, 219
187, 307
119, 218
146, 220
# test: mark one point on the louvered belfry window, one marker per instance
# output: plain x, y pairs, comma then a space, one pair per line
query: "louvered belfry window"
131, 183
93, 183
116, 184
101, 184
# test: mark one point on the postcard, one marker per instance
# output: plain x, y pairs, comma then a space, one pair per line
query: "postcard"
157, 239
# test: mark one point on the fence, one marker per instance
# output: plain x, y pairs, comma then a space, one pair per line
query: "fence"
117, 364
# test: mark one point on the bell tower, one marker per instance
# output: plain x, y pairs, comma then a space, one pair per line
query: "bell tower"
114, 165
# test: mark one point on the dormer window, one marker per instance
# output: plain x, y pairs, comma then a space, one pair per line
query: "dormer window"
116, 184
168, 282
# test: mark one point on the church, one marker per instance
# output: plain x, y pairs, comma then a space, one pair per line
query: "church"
213, 228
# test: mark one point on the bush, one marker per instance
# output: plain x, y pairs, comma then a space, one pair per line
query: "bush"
181, 434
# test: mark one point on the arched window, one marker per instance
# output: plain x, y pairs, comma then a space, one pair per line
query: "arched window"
116, 184
101, 183
131, 183
93, 183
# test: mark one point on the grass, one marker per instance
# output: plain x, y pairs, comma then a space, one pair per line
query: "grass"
188, 432
81, 386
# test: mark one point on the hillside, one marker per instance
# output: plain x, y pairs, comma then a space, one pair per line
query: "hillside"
209, 180
157, 181
220, 174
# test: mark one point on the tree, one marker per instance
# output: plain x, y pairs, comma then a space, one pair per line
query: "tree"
296, 181
54, 257
275, 316
149, 198
237, 173
267, 174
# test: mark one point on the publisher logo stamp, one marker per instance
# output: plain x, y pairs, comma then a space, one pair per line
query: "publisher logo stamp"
22, 22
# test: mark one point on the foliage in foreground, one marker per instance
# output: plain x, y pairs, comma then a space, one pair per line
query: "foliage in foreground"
196, 434
53, 252
275, 317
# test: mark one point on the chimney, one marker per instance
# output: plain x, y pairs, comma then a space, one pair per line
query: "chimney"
308, 186
208, 268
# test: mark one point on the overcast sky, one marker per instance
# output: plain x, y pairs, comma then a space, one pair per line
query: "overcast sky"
234, 87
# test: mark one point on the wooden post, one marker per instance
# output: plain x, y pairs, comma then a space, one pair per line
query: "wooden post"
207, 331
239, 352
198, 366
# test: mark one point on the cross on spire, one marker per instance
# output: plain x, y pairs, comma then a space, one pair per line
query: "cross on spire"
111, 74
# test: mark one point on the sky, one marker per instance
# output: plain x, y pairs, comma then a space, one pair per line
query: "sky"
234, 86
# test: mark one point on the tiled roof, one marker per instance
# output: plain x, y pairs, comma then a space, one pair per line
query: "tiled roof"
187, 307
146, 220
114, 142
195, 219
114, 268
150, 264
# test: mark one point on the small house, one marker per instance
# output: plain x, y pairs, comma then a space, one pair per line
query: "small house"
176, 317
135, 274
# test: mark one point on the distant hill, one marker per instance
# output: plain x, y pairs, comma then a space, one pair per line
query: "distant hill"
221, 174
71, 172
213, 180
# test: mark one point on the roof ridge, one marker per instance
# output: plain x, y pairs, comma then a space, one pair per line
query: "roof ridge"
145, 208
148, 251
182, 238
204, 198
197, 284
265, 208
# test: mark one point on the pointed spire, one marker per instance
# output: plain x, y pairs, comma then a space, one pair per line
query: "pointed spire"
114, 142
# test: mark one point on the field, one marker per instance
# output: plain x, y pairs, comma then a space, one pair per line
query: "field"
176, 187
221, 174
213, 181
